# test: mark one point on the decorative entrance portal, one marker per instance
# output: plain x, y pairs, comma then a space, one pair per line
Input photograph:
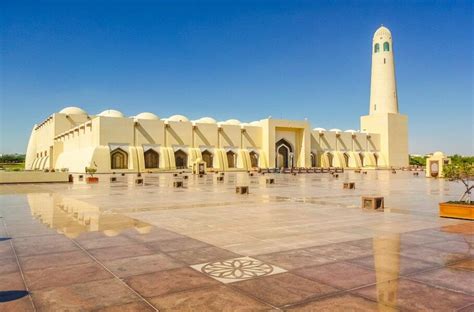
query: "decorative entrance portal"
284, 154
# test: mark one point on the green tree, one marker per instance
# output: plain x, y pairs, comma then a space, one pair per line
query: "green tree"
462, 171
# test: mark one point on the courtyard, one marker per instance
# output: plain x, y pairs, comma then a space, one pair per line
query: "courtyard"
302, 243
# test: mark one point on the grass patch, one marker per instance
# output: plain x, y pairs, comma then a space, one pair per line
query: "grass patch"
12, 166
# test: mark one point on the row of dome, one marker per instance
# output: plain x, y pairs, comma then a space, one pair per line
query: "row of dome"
146, 115
150, 116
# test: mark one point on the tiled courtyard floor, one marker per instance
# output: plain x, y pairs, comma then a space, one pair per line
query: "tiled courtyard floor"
301, 244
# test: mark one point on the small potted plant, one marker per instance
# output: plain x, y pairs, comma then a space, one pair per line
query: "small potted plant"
463, 208
91, 179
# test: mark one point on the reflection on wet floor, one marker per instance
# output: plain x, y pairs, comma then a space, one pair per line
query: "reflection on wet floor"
72, 217
301, 244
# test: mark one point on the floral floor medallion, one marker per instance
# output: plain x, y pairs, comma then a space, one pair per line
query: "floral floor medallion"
237, 269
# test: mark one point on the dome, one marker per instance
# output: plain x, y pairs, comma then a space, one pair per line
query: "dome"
382, 32
438, 154
111, 113
73, 110
351, 131
255, 123
319, 129
147, 115
335, 130
178, 118
208, 120
232, 122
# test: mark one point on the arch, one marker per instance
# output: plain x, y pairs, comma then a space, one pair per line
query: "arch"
253, 159
329, 158
386, 46
346, 160
376, 159
283, 154
152, 159
313, 160
118, 159
231, 159
361, 156
376, 48
181, 159
207, 157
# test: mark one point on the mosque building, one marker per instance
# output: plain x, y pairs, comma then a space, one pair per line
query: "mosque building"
72, 140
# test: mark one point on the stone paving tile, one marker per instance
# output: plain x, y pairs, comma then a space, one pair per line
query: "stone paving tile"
200, 255
170, 281
409, 295
66, 275
340, 274
84, 297
103, 242
340, 303
42, 245
459, 247
467, 264
8, 265
60, 259
340, 251
155, 235
294, 259
117, 252
433, 255
216, 298
11, 281
143, 264
399, 264
177, 244
459, 280
469, 308
283, 289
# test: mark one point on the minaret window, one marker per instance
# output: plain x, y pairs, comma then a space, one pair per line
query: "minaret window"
376, 48
386, 46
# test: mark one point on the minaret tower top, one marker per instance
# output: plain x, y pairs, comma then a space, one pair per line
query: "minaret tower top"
383, 86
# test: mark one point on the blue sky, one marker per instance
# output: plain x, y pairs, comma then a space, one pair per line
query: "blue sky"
237, 59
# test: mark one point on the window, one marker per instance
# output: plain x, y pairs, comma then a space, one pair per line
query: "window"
376, 48
386, 46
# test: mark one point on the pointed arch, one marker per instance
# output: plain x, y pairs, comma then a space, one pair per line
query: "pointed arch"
313, 160
283, 151
253, 159
181, 159
231, 159
386, 46
118, 159
361, 156
152, 159
346, 160
208, 158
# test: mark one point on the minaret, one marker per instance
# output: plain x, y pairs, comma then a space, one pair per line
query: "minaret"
387, 128
383, 86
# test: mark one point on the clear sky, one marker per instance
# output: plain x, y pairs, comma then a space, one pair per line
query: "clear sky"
237, 59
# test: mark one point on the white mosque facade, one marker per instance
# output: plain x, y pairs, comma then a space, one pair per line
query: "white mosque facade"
72, 139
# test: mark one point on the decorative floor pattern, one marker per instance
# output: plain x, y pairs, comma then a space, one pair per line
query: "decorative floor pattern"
237, 269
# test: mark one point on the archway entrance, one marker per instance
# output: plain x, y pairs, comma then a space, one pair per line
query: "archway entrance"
231, 159
119, 159
207, 158
181, 159
284, 154
253, 159
346, 160
152, 159
313, 159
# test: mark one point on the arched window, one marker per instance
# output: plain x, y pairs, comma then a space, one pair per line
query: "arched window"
386, 46
313, 159
207, 158
253, 159
376, 48
181, 159
231, 157
119, 159
152, 159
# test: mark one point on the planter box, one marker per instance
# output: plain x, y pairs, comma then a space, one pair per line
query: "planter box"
139, 181
242, 189
457, 211
178, 184
349, 185
92, 180
113, 179
220, 179
373, 202
270, 181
